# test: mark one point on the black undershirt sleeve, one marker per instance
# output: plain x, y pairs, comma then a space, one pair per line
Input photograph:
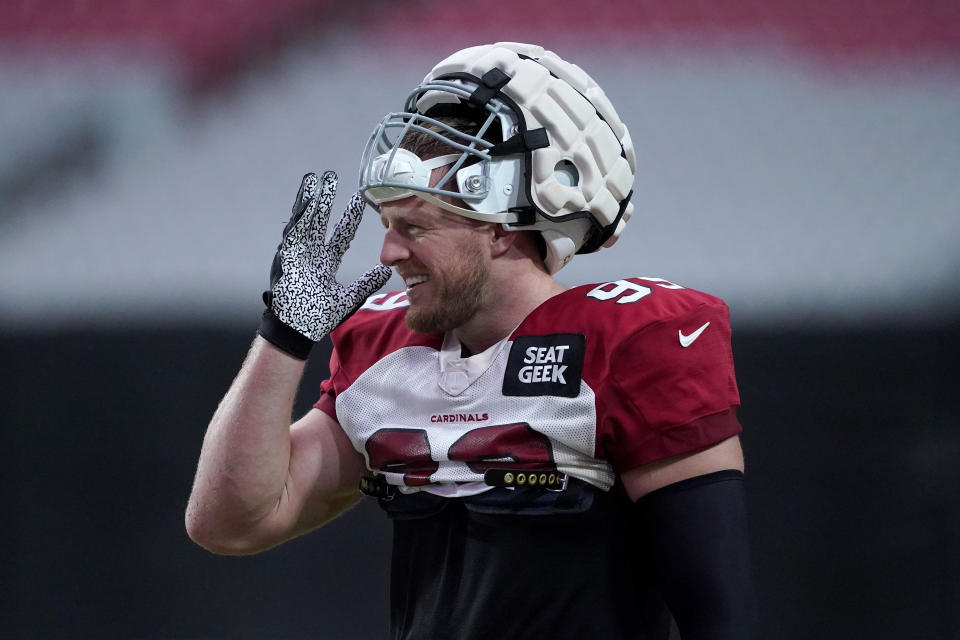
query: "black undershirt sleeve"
695, 532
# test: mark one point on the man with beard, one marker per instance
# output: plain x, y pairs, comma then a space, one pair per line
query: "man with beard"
557, 463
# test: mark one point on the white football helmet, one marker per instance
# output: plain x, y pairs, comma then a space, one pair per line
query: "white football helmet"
565, 166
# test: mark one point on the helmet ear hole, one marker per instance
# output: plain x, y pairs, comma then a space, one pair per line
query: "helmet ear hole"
566, 173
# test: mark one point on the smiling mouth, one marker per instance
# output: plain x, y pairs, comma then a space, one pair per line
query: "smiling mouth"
413, 281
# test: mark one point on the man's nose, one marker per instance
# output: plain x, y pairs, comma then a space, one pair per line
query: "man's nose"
394, 249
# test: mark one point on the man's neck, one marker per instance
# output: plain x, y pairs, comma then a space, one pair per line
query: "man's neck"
513, 301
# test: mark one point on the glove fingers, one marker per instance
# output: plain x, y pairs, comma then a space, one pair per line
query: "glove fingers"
367, 284
326, 192
347, 227
302, 211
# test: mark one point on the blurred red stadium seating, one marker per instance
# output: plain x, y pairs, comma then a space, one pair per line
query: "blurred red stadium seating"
208, 38
217, 36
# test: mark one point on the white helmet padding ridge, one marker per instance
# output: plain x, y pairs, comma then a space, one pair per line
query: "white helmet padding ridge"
566, 164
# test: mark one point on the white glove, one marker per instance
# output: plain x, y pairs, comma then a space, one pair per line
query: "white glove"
305, 302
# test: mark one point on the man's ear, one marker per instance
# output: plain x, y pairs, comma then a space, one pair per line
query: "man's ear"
502, 240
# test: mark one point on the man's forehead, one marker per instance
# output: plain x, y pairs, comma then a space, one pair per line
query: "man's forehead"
416, 210
410, 209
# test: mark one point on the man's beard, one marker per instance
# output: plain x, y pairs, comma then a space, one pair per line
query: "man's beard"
463, 291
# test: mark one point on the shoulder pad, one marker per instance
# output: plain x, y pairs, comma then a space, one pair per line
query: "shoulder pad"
377, 329
618, 307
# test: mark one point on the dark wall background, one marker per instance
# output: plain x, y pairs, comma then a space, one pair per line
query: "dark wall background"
853, 453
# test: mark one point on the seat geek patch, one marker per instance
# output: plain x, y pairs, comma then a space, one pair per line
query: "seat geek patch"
549, 365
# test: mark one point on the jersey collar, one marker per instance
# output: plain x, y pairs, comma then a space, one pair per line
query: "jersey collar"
457, 373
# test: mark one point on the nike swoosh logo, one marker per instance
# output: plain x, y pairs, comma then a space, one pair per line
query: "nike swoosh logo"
686, 341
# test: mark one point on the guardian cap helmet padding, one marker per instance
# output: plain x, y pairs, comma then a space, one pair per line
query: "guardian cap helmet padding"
563, 163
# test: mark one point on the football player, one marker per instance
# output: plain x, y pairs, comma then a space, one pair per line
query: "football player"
556, 463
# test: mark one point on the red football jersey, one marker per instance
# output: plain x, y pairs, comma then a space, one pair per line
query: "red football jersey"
594, 382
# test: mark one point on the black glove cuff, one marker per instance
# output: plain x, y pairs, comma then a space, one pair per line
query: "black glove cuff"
283, 337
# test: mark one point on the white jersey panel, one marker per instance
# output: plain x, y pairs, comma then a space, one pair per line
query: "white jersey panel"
408, 392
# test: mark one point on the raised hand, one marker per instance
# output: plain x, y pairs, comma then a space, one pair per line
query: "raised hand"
305, 301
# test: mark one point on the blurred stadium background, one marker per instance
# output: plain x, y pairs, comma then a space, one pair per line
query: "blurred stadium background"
801, 159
